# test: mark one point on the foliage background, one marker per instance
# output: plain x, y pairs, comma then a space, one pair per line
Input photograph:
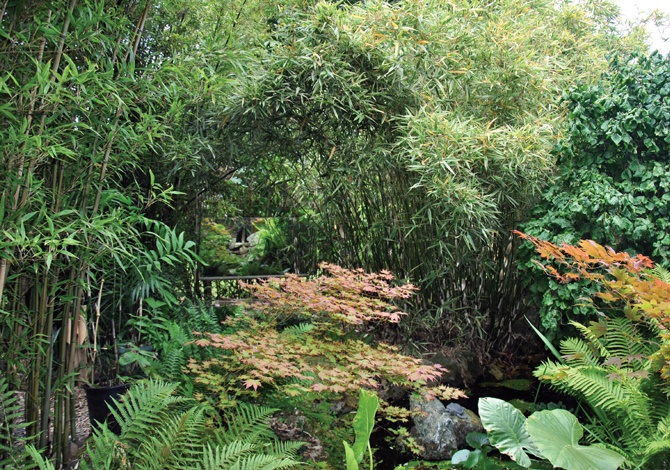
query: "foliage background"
415, 136
613, 181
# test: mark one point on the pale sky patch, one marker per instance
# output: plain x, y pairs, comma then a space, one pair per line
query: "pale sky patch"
630, 9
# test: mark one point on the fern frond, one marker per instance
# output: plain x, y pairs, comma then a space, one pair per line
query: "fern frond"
249, 423
593, 383
289, 448
176, 333
655, 447
300, 329
10, 413
220, 457
592, 339
663, 424
178, 445
41, 462
614, 375
104, 449
637, 419
243, 455
201, 318
661, 273
578, 353
161, 431
145, 407
261, 462
173, 363
624, 340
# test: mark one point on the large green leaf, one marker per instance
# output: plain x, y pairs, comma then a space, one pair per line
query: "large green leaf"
351, 459
505, 426
364, 422
477, 440
557, 432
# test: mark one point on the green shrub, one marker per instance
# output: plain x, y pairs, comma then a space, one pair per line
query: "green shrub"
614, 178
621, 367
553, 435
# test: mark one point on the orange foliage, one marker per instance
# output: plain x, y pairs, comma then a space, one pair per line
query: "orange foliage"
352, 296
324, 358
628, 284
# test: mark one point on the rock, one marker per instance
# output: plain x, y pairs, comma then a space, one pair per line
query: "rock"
73, 449
456, 410
254, 238
442, 431
463, 367
243, 250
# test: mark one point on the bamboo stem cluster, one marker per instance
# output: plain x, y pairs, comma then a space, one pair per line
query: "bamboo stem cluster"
74, 119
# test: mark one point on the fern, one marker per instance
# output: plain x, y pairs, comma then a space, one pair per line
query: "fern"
11, 455
173, 362
148, 406
160, 430
249, 421
260, 461
299, 329
612, 373
624, 340
578, 353
238, 455
181, 442
41, 462
661, 273
593, 341
200, 318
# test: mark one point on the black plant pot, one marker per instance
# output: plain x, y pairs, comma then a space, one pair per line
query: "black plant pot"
99, 400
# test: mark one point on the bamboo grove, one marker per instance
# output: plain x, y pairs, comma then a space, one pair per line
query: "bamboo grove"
418, 134
90, 90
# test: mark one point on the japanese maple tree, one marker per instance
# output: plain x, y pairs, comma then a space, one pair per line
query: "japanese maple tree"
321, 350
